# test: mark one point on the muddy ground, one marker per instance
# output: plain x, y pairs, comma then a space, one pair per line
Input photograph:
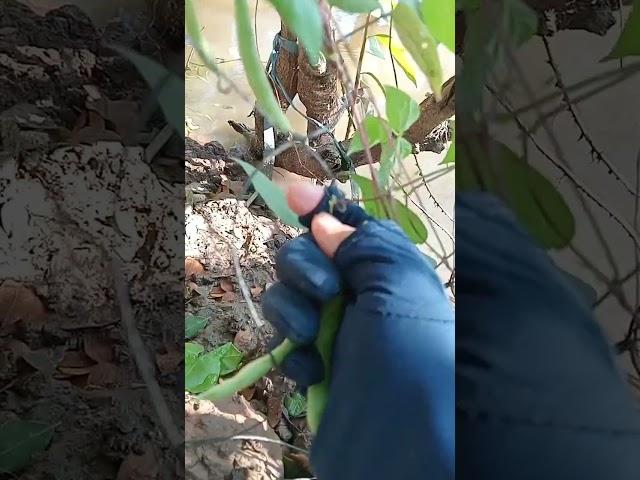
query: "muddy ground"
86, 178
218, 227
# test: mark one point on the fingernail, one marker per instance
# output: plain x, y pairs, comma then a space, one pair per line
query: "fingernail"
303, 197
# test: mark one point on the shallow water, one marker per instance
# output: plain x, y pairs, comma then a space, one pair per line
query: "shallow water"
209, 108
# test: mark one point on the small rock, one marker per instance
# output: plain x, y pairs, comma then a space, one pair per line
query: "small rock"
284, 432
245, 341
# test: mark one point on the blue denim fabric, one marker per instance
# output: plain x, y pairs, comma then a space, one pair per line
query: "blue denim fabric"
538, 395
391, 410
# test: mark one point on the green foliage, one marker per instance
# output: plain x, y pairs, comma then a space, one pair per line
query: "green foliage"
486, 42
203, 370
19, 441
295, 404
439, 16
392, 153
194, 30
193, 325
422, 46
402, 111
355, 6
398, 52
230, 358
375, 128
406, 219
534, 200
273, 196
303, 18
192, 350
254, 70
167, 87
628, 44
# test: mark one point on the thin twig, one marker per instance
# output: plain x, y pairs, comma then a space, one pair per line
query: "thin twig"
140, 355
574, 115
356, 84
244, 289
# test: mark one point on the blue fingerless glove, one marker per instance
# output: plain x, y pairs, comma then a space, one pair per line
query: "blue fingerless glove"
390, 413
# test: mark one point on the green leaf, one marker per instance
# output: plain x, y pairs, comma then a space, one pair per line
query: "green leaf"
254, 70
450, 157
355, 6
390, 156
374, 48
295, 404
230, 358
19, 440
420, 44
201, 372
375, 128
486, 41
192, 350
167, 88
193, 325
399, 54
628, 44
194, 31
440, 18
534, 200
303, 18
273, 195
405, 218
402, 111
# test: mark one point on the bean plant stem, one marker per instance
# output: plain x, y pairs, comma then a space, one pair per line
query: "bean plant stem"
250, 373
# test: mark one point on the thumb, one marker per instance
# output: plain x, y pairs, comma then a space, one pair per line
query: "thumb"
327, 231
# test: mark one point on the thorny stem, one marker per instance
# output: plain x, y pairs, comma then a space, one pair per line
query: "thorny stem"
356, 84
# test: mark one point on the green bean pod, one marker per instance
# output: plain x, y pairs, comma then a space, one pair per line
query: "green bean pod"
417, 39
318, 394
258, 81
249, 374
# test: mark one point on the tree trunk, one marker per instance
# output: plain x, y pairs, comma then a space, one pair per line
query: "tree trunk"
286, 69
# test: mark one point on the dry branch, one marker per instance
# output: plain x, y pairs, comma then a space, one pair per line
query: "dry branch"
303, 159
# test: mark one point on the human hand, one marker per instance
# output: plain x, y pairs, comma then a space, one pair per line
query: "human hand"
393, 363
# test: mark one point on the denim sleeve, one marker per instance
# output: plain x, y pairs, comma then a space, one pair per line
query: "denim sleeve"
391, 410
538, 392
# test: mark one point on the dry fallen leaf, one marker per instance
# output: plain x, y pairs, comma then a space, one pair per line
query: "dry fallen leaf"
274, 411
228, 297
99, 349
139, 467
256, 291
39, 359
245, 341
192, 268
19, 302
226, 285
103, 374
170, 361
194, 287
75, 359
248, 393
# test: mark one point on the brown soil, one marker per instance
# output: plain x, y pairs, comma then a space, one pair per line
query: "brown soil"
217, 225
74, 189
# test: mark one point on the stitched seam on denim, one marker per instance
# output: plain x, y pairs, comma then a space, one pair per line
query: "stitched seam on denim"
386, 313
530, 422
